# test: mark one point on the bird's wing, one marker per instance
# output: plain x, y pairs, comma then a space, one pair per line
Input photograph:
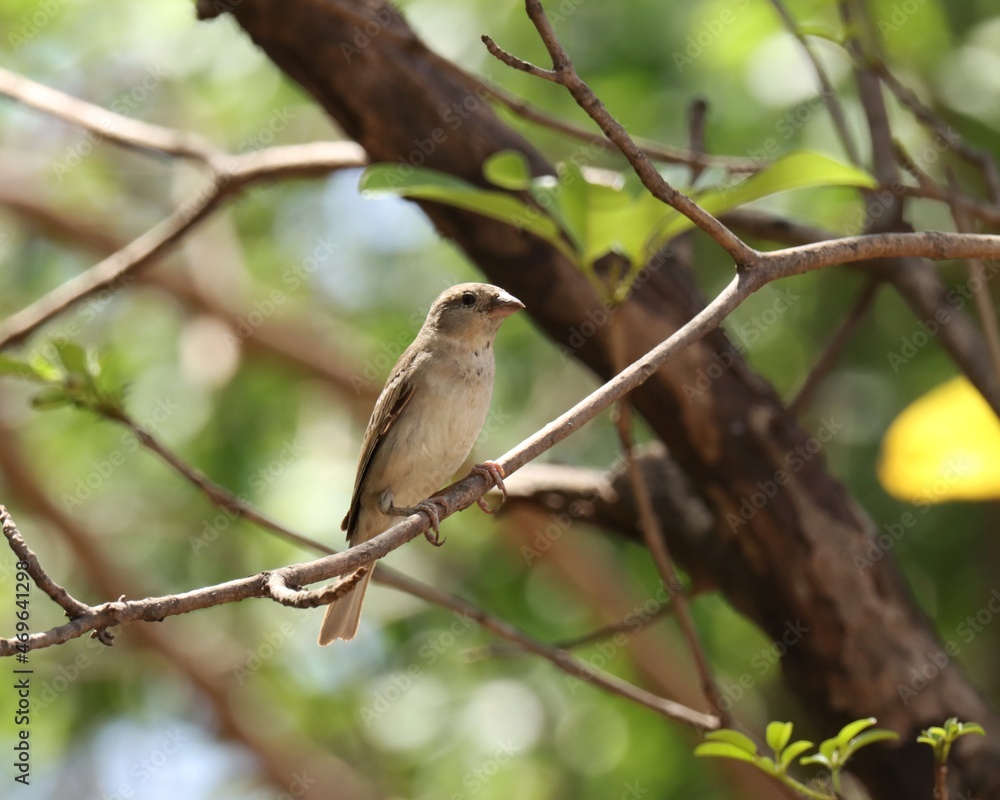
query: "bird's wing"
397, 393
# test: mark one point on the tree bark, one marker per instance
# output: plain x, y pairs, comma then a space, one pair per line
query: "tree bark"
799, 562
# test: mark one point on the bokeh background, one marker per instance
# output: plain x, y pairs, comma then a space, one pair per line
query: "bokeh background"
421, 703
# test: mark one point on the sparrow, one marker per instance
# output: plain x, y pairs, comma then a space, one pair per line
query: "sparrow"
423, 427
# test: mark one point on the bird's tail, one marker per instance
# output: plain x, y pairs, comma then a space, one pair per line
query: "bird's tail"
342, 616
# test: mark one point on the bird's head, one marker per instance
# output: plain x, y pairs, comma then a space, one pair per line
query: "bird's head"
471, 310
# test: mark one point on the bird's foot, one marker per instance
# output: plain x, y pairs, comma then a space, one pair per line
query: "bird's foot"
494, 473
430, 508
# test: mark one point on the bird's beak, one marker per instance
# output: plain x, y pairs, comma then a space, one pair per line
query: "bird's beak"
503, 305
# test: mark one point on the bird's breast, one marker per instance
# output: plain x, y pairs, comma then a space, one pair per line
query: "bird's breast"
440, 425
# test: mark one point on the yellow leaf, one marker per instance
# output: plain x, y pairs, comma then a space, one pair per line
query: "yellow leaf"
944, 446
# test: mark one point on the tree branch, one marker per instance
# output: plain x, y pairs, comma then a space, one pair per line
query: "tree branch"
228, 175
562, 72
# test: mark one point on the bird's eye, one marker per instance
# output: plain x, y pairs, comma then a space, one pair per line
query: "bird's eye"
468, 299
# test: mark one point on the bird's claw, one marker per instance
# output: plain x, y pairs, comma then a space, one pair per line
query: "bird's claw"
432, 534
430, 508
494, 473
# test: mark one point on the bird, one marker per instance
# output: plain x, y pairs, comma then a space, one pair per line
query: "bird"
424, 424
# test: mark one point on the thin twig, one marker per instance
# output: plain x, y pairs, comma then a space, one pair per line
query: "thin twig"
627, 624
941, 780
829, 94
981, 159
834, 346
921, 289
117, 269
278, 585
990, 214
292, 340
734, 165
228, 174
697, 112
295, 597
980, 291
652, 533
562, 72
877, 116
236, 712
57, 593
218, 495
114, 127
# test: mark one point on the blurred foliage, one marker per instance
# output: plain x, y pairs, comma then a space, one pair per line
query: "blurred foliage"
404, 702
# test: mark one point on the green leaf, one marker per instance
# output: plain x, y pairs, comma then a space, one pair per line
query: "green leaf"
865, 739
20, 369
598, 217
817, 758
508, 170
767, 765
793, 751
852, 729
799, 170
562, 199
50, 398
777, 735
428, 184
735, 738
722, 750
970, 727
72, 356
